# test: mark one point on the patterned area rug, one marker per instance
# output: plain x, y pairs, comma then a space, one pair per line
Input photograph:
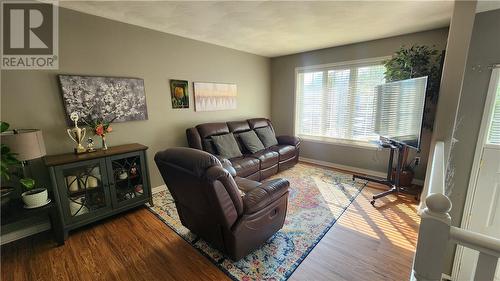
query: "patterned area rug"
318, 197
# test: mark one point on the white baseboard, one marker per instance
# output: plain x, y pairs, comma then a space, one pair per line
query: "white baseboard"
352, 169
158, 188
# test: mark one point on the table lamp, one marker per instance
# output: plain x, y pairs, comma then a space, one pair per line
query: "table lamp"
27, 143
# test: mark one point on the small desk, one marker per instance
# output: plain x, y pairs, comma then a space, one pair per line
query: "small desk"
393, 184
15, 213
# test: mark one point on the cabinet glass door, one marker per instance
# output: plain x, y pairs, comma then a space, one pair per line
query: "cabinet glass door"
84, 185
129, 180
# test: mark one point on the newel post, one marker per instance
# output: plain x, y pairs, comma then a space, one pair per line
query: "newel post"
433, 238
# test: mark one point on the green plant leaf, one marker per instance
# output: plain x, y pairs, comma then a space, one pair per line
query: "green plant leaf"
27, 183
4, 149
417, 61
4, 172
4, 126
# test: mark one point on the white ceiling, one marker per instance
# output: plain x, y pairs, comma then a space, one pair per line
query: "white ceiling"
270, 28
487, 5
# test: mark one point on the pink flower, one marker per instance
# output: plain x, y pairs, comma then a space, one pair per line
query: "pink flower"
109, 129
99, 130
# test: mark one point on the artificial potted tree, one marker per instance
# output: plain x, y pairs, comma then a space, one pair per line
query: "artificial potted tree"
408, 172
416, 61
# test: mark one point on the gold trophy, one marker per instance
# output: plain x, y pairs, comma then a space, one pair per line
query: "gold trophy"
77, 134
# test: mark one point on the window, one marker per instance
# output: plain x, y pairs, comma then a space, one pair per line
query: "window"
494, 130
337, 102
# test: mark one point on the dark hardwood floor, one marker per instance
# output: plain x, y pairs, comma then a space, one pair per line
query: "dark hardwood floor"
366, 243
133, 246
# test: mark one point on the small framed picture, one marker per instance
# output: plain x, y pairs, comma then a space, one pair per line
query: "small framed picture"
179, 93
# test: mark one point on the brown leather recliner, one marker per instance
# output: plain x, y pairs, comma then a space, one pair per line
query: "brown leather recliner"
256, 166
210, 204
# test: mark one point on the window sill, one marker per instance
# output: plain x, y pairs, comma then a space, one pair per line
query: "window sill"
356, 144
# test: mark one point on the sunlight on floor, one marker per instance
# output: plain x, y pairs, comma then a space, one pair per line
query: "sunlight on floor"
330, 198
395, 220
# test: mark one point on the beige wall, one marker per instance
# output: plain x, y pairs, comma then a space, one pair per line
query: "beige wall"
92, 45
459, 39
483, 51
283, 82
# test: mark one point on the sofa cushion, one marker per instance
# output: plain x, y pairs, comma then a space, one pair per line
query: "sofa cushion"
258, 123
267, 158
238, 126
266, 135
264, 195
209, 146
226, 146
246, 185
251, 141
245, 165
209, 129
285, 151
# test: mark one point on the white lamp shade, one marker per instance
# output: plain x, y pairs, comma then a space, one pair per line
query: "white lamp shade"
28, 144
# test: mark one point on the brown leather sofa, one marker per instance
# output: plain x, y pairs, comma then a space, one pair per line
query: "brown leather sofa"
257, 166
210, 204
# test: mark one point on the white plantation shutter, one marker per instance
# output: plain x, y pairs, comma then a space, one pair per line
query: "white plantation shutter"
494, 131
337, 102
311, 88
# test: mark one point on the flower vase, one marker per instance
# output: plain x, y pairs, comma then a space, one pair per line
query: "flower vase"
104, 145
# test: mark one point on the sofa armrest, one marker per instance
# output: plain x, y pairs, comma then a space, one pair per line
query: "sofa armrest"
265, 194
289, 140
193, 138
226, 164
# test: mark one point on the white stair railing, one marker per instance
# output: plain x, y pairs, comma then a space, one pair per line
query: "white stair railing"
436, 232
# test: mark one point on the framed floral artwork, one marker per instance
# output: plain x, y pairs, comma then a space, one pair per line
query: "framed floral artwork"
179, 93
96, 97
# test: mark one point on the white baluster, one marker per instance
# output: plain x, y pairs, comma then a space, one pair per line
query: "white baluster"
433, 238
486, 267
435, 232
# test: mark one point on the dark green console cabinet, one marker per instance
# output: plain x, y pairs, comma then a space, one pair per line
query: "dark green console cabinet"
92, 186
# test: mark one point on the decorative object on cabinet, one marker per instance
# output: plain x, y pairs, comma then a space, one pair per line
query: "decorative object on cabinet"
122, 174
90, 145
100, 127
179, 93
72, 183
94, 97
214, 96
77, 134
89, 187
